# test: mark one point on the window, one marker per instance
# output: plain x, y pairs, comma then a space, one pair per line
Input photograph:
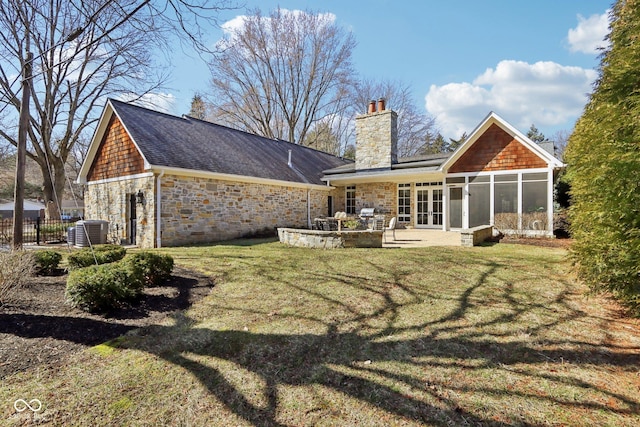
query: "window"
534, 192
456, 180
506, 198
479, 204
404, 202
534, 201
350, 202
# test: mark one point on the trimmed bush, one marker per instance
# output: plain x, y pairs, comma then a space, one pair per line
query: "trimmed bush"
102, 288
101, 254
151, 268
15, 267
47, 261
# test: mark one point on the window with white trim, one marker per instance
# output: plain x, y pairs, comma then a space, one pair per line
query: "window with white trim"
404, 202
350, 199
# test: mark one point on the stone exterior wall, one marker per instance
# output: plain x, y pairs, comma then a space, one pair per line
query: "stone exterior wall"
339, 199
109, 201
201, 210
382, 196
376, 140
196, 210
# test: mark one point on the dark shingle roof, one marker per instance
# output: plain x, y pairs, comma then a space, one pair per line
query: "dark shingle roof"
433, 161
188, 143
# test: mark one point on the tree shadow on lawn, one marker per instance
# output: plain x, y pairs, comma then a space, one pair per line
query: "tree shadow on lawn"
392, 367
355, 363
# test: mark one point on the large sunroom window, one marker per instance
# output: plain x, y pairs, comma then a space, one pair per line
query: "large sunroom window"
534, 201
479, 200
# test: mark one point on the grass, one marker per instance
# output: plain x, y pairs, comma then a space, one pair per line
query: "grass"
494, 335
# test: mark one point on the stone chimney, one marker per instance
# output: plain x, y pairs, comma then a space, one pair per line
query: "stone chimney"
376, 137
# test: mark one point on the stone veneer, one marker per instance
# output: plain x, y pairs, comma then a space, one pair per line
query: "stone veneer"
204, 210
330, 239
109, 201
474, 236
376, 140
201, 210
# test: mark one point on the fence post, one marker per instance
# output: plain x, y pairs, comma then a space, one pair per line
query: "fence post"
38, 231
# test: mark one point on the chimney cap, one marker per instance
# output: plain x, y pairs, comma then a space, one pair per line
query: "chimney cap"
372, 106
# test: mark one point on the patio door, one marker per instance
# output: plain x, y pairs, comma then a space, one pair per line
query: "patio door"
428, 206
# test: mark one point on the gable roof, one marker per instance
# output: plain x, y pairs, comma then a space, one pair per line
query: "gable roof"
184, 143
494, 119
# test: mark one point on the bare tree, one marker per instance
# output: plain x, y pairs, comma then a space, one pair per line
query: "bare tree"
277, 75
83, 52
560, 140
416, 129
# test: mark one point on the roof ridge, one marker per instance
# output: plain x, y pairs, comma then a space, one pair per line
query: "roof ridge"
187, 117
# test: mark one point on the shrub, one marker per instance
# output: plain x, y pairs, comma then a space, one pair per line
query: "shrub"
149, 267
603, 167
352, 224
46, 261
53, 231
15, 267
102, 288
100, 254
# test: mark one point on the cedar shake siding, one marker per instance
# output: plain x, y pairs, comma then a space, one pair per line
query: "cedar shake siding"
496, 150
117, 155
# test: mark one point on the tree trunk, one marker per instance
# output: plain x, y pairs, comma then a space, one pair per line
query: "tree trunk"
53, 185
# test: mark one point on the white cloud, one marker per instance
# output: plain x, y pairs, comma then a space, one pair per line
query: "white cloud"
163, 102
236, 25
544, 94
589, 35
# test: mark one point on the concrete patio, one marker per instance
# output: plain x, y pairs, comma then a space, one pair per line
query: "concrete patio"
420, 238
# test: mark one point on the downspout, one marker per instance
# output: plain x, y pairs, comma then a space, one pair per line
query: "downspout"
550, 202
309, 208
158, 210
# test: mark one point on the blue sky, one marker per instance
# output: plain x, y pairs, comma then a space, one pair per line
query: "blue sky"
532, 62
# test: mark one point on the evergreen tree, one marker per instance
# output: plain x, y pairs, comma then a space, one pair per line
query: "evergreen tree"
603, 157
436, 145
455, 143
535, 135
198, 107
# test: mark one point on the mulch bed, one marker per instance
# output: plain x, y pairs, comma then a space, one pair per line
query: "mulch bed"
549, 243
37, 327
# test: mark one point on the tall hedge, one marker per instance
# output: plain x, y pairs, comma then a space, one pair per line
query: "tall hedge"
603, 158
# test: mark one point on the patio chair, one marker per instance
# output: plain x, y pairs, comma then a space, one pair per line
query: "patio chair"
391, 227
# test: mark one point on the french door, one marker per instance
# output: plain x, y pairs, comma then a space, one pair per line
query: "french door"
429, 203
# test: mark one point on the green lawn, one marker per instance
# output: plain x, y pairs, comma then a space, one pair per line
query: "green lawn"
494, 335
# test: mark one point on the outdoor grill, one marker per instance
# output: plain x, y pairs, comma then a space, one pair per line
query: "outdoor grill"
370, 220
366, 214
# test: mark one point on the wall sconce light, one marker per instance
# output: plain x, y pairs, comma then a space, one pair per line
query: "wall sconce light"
140, 197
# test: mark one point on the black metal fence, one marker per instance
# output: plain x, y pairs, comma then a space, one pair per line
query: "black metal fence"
36, 231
